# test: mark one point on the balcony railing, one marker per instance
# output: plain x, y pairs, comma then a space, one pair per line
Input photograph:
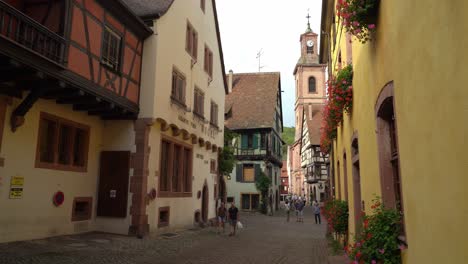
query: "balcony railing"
258, 152
30, 34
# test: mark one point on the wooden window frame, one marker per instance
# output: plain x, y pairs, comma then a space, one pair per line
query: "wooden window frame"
357, 191
250, 206
208, 61
178, 94
213, 166
3, 107
345, 176
191, 42
185, 175
105, 56
89, 213
164, 209
199, 103
214, 112
243, 174
55, 165
203, 5
388, 147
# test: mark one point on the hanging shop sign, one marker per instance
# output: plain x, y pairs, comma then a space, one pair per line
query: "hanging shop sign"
16, 187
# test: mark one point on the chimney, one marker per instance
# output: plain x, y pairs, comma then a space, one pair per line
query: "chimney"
230, 81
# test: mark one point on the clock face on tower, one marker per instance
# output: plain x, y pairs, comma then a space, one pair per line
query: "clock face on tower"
310, 43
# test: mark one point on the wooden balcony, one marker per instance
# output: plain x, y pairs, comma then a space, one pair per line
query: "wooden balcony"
258, 154
26, 32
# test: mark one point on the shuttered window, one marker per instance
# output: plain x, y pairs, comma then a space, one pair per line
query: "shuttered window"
178, 87
248, 173
214, 114
198, 102
191, 44
208, 65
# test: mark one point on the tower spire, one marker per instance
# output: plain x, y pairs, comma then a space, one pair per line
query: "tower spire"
308, 22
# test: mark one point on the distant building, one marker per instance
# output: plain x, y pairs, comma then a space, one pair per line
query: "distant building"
313, 162
310, 98
254, 112
284, 188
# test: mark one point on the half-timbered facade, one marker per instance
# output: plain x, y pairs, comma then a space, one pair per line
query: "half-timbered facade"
180, 126
258, 147
70, 87
313, 162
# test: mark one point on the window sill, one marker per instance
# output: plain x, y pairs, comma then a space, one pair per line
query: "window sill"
164, 224
164, 194
51, 166
116, 71
199, 116
179, 103
214, 125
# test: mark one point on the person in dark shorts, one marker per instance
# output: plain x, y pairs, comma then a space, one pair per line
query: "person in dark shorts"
233, 213
222, 213
317, 212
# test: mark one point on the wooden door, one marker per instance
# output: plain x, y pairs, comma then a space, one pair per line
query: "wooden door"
113, 183
205, 204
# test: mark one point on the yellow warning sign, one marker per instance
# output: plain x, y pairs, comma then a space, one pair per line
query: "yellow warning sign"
16, 187
17, 181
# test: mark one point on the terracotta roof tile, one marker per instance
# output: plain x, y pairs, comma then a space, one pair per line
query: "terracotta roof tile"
253, 100
314, 124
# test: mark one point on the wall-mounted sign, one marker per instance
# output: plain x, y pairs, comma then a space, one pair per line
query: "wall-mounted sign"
16, 187
58, 198
113, 193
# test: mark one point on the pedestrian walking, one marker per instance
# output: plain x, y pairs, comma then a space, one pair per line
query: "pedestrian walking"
222, 213
317, 212
233, 213
300, 211
288, 210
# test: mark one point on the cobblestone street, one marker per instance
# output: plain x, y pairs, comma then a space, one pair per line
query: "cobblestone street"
263, 240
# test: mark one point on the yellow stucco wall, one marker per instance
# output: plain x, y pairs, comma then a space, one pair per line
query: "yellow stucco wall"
34, 216
164, 51
420, 47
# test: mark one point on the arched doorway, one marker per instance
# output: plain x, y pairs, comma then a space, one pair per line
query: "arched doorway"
277, 200
204, 207
222, 190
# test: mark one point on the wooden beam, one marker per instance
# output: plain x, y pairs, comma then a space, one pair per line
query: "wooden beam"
94, 107
17, 117
79, 100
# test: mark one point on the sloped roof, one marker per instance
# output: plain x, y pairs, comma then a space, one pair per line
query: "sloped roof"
314, 123
149, 8
253, 100
154, 9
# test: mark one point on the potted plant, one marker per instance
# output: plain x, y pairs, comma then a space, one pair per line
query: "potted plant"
377, 241
359, 17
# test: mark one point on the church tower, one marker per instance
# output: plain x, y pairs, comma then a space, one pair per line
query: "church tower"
309, 77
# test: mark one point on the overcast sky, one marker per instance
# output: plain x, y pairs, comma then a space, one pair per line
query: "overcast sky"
272, 25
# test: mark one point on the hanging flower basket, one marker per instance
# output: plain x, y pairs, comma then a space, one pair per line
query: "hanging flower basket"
359, 17
340, 100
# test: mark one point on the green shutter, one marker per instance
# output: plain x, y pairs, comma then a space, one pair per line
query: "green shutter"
239, 172
244, 141
255, 141
258, 171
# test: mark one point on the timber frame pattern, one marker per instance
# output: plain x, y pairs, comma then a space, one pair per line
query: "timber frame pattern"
62, 61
